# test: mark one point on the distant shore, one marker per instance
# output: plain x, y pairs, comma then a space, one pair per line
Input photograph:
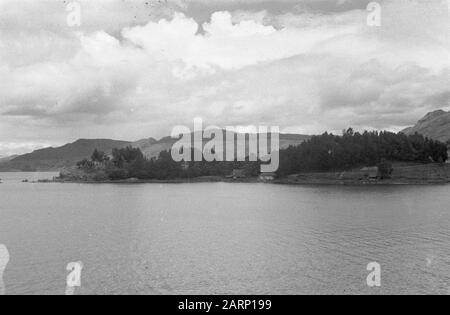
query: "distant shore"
279, 181
385, 182
204, 179
424, 174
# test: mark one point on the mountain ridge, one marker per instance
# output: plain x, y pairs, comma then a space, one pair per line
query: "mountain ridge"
434, 125
4, 159
56, 158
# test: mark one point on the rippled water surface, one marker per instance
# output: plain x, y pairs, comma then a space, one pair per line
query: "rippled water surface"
218, 238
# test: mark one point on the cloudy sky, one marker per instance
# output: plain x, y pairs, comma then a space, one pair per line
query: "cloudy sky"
136, 68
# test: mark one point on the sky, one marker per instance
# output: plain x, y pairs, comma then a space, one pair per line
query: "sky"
135, 69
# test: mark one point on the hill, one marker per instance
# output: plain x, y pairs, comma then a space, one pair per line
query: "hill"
53, 159
151, 147
435, 125
4, 159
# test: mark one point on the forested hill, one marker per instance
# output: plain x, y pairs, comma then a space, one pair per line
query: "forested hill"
323, 153
55, 158
329, 152
68, 155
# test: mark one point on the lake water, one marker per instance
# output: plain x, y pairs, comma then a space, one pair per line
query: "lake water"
219, 238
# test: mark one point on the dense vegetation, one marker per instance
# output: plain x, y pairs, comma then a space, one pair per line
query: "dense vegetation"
130, 163
332, 153
321, 153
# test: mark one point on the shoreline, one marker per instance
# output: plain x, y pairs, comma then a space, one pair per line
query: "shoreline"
254, 180
417, 175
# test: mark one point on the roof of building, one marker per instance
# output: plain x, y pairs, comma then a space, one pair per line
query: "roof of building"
268, 174
370, 169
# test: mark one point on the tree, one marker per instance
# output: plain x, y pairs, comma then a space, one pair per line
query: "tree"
99, 156
385, 169
85, 164
127, 155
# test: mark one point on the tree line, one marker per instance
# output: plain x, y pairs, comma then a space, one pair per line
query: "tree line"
130, 162
322, 153
329, 152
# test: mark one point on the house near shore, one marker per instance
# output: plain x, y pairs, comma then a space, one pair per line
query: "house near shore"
267, 177
237, 174
371, 172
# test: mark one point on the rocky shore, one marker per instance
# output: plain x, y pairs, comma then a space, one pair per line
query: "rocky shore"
421, 174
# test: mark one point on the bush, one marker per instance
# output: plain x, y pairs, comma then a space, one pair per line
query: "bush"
117, 174
127, 155
385, 169
101, 176
85, 164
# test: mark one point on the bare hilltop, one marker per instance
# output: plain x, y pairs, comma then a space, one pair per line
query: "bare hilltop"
435, 125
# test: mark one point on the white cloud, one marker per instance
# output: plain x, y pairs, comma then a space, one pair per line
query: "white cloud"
225, 45
313, 72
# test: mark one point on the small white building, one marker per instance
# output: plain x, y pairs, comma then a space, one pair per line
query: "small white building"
267, 177
237, 174
370, 172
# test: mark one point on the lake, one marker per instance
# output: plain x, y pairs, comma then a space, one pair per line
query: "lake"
222, 238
